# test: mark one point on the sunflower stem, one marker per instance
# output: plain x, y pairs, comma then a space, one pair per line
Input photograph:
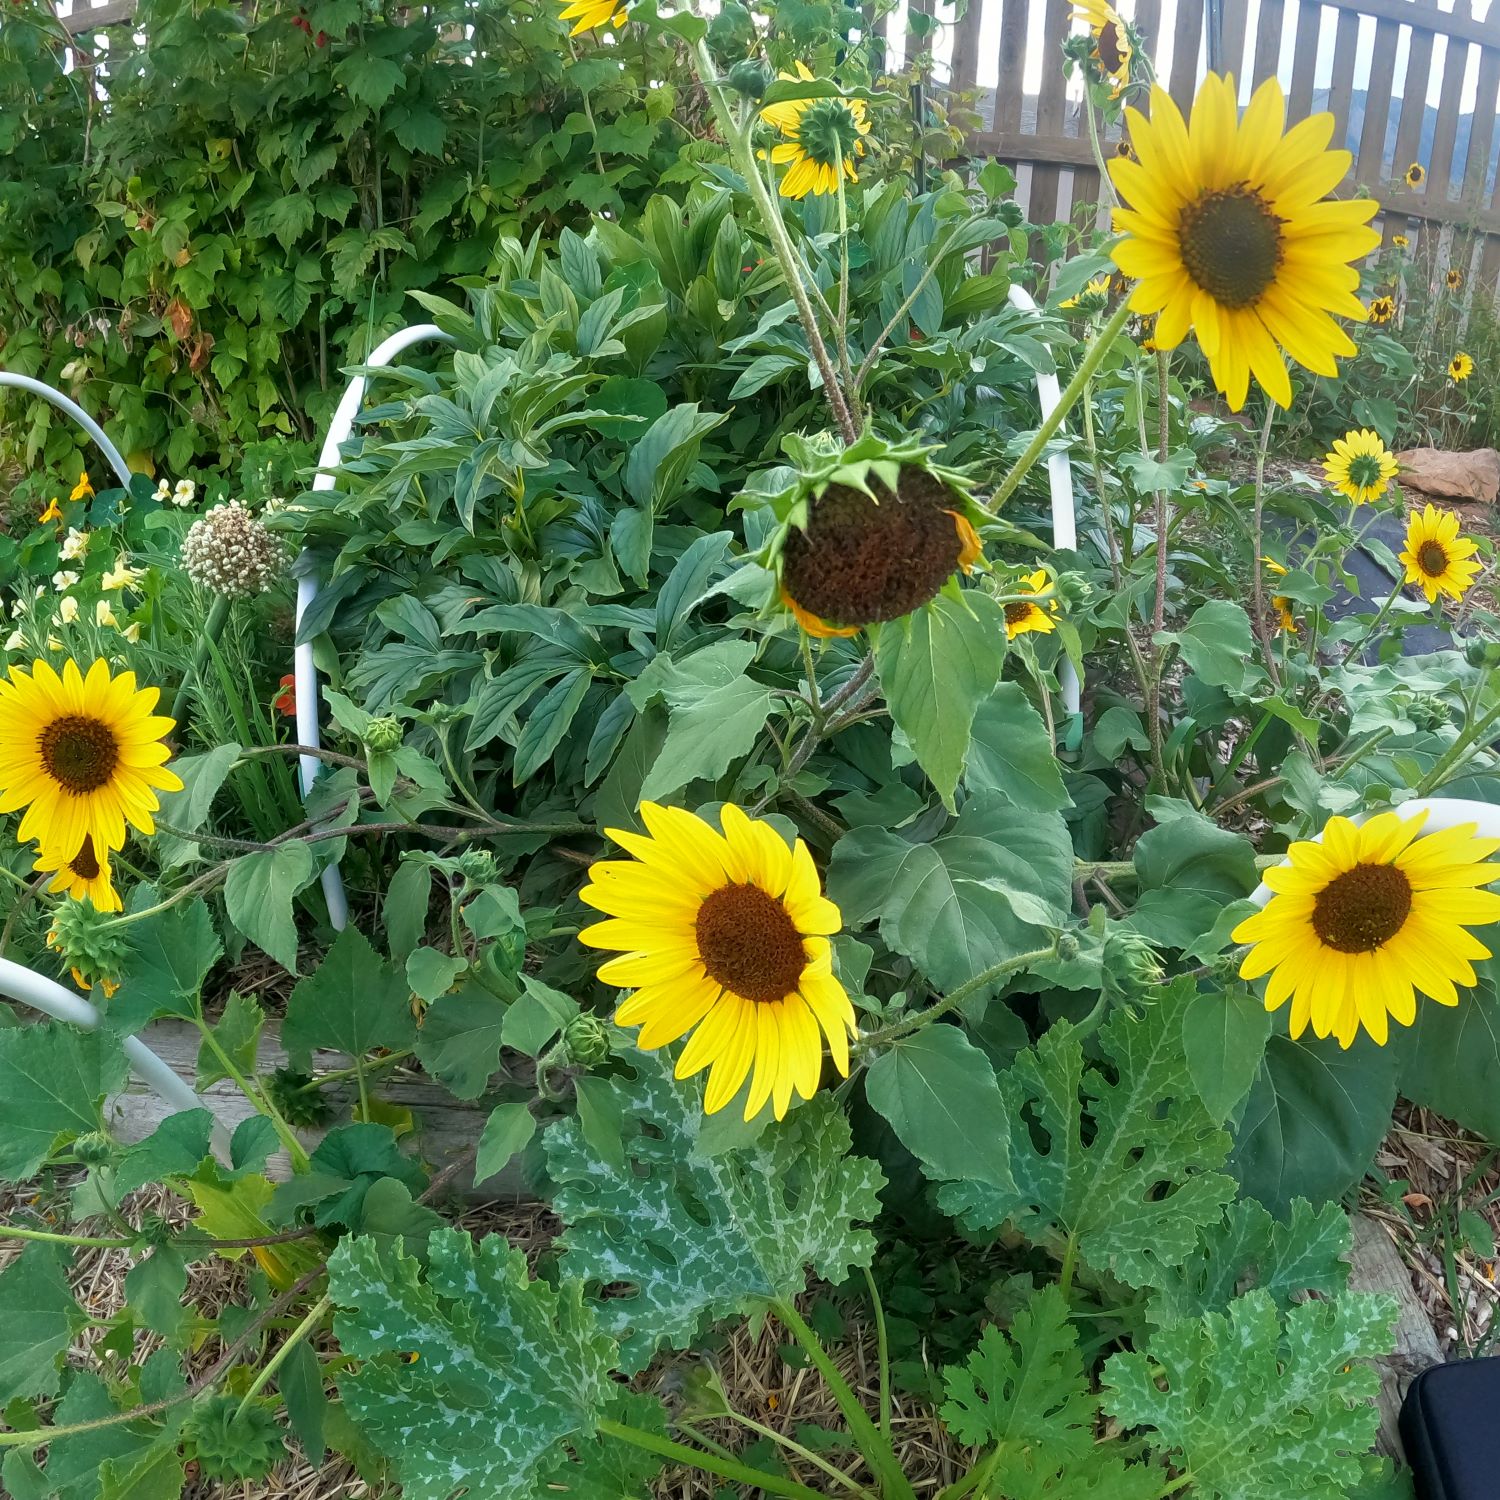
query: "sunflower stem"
267, 1371
937, 259
1106, 186
1455, 752
1262, 630
213, 628
781, 242
1093, 357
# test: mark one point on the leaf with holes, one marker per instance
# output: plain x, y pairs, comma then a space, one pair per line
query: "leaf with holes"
699, 1238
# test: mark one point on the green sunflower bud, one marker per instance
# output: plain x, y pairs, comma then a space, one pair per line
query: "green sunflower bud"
1428, 711
297, 1104
1132, 966
749, 78
230, 1444
478, 867
383, 734
93, 949
586, 1040
1482, 653
94, 1148
1067, 947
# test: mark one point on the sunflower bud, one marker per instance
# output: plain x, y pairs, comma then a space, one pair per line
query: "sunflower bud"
586, 1041
1067, 947
231, 553
232, 1443
749, 78
94, 1148
1132, 966
1428, 711
89, 944
297, 1103
478, 867
1482, 653
383, 734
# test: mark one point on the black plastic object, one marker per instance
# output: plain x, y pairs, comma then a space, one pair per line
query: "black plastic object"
1450, 1430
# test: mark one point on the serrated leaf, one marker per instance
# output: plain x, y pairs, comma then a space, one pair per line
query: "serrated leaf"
698, 1238
1452, 1060
713, 721
38, 1318
171, 954
1284, 1258
173, 1149
1122, 1155
487, 1340
1224, 1033
259, 890
352, 1002
55, 1078
154, 1288
1258, 1404
404, 909
237, 1033
460, 1039
188, 809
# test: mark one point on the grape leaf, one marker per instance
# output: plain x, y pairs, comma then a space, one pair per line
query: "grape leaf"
1259, 1404
351, 1002
1135, 1183
38, 1318
699, 1238
55, 1077
488, 1340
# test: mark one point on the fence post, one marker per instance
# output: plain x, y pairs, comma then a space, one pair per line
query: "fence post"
1213, 20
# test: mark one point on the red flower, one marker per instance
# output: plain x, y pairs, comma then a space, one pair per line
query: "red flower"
285, 702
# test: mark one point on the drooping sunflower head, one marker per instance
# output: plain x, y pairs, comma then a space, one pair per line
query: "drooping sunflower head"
870, 533
1092, 299
724, 935
1382, 309
1360, 466
821, 139
1360, 922
1460, 367
83, 755
84, 874
587, 14
1112, 47
1286, 619
1437, 559
1454, 278
1400, 242
1229, 233
1038, 614
1416, 175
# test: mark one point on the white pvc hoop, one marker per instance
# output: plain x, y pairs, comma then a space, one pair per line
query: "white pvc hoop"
1060, 482
78, 414
307, 692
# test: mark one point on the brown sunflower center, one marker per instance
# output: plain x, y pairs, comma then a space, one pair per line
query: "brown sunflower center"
1016, 613
1230, 243
861, 560
1107, 45
78, 752
85, 864
749, 943
1362, 908
1432, 559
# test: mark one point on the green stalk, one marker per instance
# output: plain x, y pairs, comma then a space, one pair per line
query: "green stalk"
883, 1353
48, 1237
258, 1097
268, 1371
693, 1458
213, 628
878, 1452
1449, 758
1093, 357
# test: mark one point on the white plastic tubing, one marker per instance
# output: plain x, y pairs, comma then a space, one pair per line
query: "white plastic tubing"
309, 696
1060, 481
1442, 812
78, 414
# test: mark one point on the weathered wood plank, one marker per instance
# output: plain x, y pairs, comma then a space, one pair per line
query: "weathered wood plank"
1445, 131
1187, 41
1414, 108
1341, 83
1051, 115
1267, 41
1456, 24
1232, 39
1369, 169
965, 65
84, 18
1009, 86
1304, 60
1482, 124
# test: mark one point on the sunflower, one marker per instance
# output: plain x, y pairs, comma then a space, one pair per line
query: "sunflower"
82, 874
1229, 233
1382, 309
1092, 298
1436, 556
1286, 621
1362, 920
1416, 175
1400, 241
725, 935
82, 754
1111, 39
587, 14
1460, 367
1360, 467
823, 136
83, 490
1454, 278
1022, 615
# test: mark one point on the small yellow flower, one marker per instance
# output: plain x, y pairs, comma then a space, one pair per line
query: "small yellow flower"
1360, 467
822, 139
121, 576
1460, 367
1092, 297
83, 490
74, 545
67, 609
1111, 41
64, 578
1416, 175
587, 14
1286, 621
104, 616
132, 632
1021, 615
1400, 241
1454, 278
1382, 309
52, 513
1436, 557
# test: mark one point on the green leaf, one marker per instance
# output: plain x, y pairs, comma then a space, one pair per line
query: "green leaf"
38, 1318
1314, 1118
370, 80
404, 909
1225, 1034
1011, 752
1452, 1060
300, 1381
238, 1034
431, 973
173, 1149
938, 1092
701, 1238
1189, 868
974, 897
258, 892
460, 1039
661, 458
171, 954
536, 1016
202, 776
1256, 1404
936, 667
352, 1003
1122, 1154
1249, 1248
157, 1474
154, 1288
487, 1340
55, 1078
548, 722
508, 1130
1218, 647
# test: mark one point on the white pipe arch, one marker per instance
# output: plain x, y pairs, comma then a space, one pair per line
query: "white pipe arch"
73, 409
